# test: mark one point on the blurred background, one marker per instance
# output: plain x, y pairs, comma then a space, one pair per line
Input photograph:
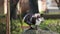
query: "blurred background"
52, 17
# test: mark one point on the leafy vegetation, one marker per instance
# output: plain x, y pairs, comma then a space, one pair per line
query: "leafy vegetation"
51, 24
48, 24
2, 25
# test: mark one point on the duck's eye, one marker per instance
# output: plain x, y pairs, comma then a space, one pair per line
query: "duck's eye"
38, 16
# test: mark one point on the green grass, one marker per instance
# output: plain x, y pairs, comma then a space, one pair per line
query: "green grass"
51, 24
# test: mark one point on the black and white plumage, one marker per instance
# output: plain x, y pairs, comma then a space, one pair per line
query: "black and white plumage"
33, 19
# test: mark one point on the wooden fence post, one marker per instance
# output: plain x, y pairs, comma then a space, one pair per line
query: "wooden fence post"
8, 18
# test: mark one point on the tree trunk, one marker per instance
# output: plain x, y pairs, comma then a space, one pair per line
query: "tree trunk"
13, 7
58, 3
